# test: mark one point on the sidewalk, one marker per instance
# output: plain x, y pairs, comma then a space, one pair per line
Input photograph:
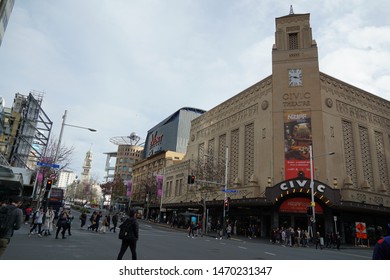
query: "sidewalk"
263, 240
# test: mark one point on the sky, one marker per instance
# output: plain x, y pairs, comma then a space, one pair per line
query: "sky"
122, 66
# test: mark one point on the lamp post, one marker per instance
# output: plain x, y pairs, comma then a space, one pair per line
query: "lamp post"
225, 187
313, 204
62, 131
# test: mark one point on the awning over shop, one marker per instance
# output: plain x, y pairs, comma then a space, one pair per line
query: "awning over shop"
10, 183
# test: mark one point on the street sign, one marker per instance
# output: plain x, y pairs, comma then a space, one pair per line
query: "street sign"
44, 164
230, 191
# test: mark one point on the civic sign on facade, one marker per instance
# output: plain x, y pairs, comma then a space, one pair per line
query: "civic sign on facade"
302, 186
299, 183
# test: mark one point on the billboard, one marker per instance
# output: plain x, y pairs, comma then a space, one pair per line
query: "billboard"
297, 141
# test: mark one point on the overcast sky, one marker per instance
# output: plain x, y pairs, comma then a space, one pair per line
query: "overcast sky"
122, 66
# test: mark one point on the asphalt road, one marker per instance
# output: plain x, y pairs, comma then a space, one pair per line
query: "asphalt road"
163, 243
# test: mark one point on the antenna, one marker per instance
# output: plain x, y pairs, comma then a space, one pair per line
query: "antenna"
291, 10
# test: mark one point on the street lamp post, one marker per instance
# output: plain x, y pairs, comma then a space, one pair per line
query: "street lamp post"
225, 187
59, 145
312, 195
62, 131
313, 204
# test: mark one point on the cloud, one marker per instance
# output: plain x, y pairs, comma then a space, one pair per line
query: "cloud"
124, 66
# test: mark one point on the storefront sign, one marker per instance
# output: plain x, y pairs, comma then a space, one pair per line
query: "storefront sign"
298, 205
297, 184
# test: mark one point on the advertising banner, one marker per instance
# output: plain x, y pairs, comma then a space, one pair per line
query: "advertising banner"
129, 186
159, 179
297, 139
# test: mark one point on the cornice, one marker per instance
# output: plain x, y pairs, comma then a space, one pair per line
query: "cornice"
354, 95
234, 104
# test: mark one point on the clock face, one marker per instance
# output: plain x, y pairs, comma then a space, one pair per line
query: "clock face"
295, 77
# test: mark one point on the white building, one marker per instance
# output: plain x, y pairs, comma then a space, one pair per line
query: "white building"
66, 178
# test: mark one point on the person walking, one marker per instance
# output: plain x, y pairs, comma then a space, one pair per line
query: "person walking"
28, 214
48, 223
228, 230
98, 217
191, 230
104, 226
14, 220
114, 222
219, 230
199, 230
129, 232
38, 221
69, 222
83, 220
92, 219
318, 240
62, 223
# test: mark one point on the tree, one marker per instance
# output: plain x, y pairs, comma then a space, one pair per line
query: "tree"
146, 190
209, 181
64, 159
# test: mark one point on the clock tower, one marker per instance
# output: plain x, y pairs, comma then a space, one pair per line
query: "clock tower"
296, 98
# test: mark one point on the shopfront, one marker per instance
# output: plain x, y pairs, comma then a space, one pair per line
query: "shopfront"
292, 199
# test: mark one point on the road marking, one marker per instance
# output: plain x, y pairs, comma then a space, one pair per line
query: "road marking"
268, 253
242, 247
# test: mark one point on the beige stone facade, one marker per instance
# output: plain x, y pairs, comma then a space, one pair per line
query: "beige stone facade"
268, 130
144, 192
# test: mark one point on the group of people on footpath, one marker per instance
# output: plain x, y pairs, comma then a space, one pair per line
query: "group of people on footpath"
196, 229
302, 238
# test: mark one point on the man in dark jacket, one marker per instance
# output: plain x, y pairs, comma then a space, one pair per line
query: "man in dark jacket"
15, 220
382, 249
130, 237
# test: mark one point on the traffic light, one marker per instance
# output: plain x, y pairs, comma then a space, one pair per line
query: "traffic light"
226, 203
309, 210
49, 182
191, 179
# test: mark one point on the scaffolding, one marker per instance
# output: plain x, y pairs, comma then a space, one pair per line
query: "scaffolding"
33, 132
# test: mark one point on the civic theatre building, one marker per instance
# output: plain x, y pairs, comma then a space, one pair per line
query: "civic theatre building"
264, 134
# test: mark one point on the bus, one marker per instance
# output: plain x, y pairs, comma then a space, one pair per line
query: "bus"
56, 200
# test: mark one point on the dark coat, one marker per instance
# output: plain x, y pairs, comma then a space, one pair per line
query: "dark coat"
14, 222
133, 228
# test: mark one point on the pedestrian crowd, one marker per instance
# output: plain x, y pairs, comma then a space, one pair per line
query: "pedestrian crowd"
303, 238
43, 223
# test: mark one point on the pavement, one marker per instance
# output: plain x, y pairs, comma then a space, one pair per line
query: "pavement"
241, 238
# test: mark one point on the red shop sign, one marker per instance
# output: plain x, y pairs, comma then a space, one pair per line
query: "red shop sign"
298, 205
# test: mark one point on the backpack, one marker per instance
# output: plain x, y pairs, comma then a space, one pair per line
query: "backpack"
4, 220
124, 230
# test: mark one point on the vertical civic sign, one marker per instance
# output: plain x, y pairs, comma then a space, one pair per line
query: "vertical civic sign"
159, 181
297, 141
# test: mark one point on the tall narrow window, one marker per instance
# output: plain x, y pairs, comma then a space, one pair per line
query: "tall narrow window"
293, 41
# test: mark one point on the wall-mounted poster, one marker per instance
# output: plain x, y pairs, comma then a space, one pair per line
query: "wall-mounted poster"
297, 141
